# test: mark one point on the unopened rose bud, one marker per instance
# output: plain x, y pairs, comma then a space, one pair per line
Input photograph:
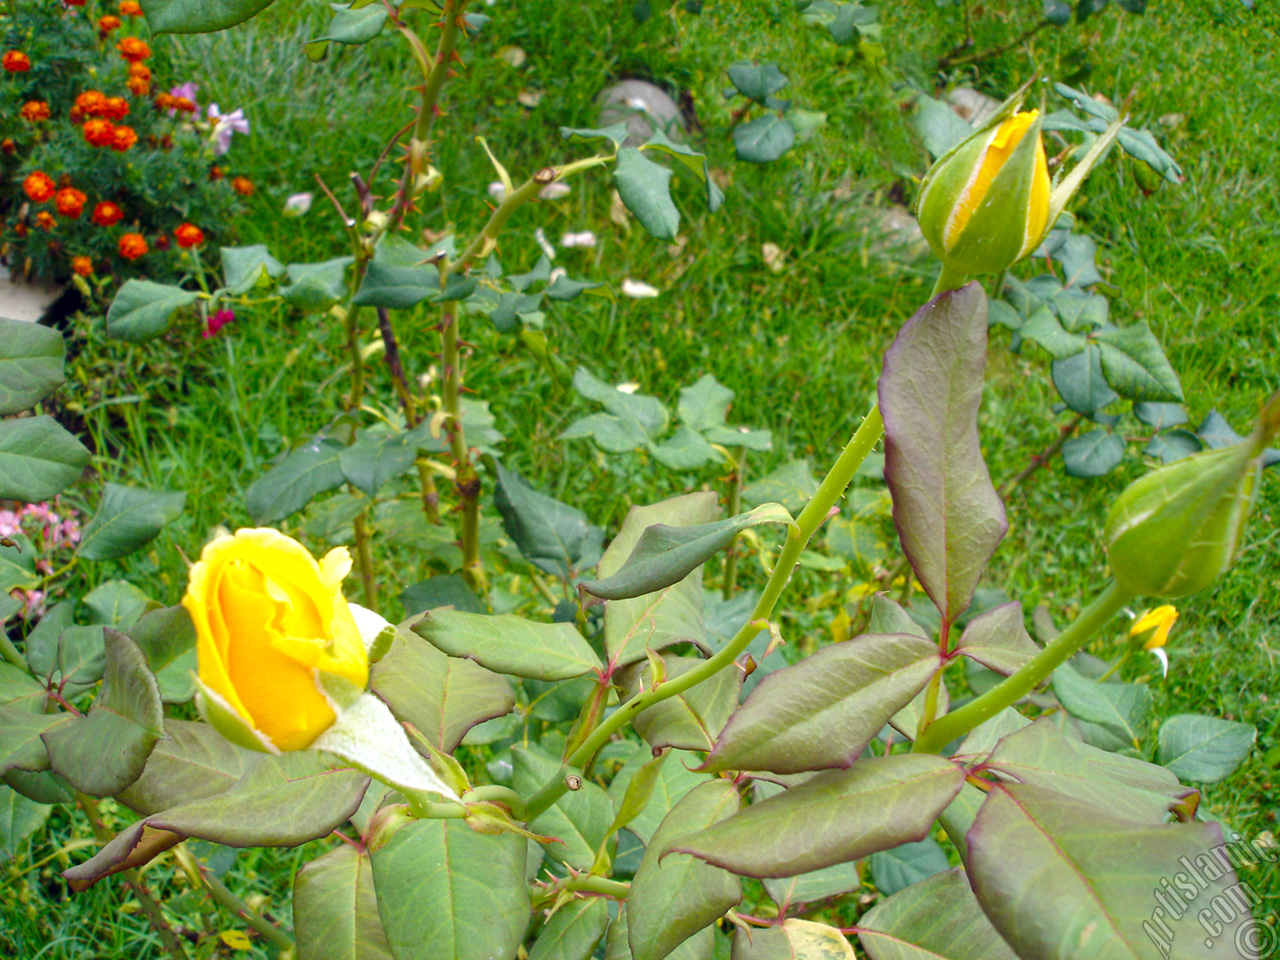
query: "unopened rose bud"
1176, 530
985, 204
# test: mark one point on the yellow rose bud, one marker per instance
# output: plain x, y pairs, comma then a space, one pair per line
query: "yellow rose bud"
269, 621
985, 204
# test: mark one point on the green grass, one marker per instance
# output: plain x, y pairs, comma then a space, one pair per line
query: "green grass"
801, 348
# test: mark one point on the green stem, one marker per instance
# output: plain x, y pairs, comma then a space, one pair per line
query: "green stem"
931, 700
948, 279
466, 481
364, 550
485, 239
593, 884
739, 460
351, 322
959, 722
230, 902
499, 793
798, 535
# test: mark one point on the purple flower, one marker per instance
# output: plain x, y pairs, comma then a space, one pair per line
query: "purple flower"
225, 124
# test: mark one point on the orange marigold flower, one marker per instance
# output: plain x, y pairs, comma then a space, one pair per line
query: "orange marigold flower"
162, 242
133, 49
15, 61
130, 8
138, 87
164, 101
183, 104
140, 70
217, 173
74, 3
100, 133
108, 23
33, 111
115, 108
90, 102
70, 202
8, 146
188, 235
39, 186
132, 246
107, 214
83, 266
242, 186
20, 229
124, 139
46, 220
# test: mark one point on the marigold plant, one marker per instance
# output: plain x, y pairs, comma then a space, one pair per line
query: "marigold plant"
77, 120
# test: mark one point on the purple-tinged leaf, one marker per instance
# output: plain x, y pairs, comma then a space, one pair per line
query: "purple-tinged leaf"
1064, 879
832, 817
998, 640
907, 927
948, 515
1126, 787
674, 896
823, 711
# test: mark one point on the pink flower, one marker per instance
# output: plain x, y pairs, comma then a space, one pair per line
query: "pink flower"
185, 91
225, 124
9, 523
32, 603
216, 322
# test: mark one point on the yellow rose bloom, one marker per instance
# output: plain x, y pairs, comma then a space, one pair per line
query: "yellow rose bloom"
267, 618
1159, 621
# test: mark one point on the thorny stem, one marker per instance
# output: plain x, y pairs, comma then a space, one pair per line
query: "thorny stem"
1041, 459
229, 901
396, 366
798, 535
1023, 37
172, 945
466, 481
451, 23
959, 722
593, 884
739, 460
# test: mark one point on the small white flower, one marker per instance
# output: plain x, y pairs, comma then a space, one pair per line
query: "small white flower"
298, 204
638, 290
554, 191
1163, 658
556, 274
627, 387
497, 192
548, 248
584, 239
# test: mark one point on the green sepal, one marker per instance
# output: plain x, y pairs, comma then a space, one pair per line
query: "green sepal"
223, 717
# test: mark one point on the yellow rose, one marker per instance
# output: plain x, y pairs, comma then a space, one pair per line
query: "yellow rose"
268, 618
